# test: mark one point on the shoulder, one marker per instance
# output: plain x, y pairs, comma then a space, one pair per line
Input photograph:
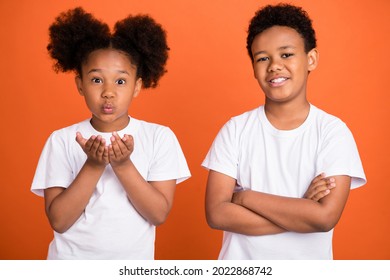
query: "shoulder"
329, 126
238, 127
248, 115
69, 131
327, 121
244, 120
152, 131
150, 127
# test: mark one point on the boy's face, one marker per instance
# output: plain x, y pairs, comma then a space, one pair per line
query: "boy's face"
108, 84
281, 65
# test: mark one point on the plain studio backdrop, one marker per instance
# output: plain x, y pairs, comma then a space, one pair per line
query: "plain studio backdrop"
209, 80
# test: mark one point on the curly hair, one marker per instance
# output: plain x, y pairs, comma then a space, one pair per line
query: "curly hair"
75, 34
282, 15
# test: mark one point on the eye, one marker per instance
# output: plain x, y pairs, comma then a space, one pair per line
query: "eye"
121, 82
286, 55
261, 59
96, 80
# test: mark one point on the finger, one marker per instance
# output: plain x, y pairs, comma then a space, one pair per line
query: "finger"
101, 147
318, 178
319, 184
80, 139
318, 196
128, 140
89, 143
116, 135
105, 155
331, 183
95, 144
111, 153
115, 146
119, 142
314, 191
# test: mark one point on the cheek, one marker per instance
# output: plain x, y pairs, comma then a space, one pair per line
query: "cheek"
91, 101
260, 68
260, 74
256, 71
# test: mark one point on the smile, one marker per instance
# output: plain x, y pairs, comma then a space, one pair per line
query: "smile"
278, 80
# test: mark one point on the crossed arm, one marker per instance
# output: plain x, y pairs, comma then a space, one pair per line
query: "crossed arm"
153, 200
256, 213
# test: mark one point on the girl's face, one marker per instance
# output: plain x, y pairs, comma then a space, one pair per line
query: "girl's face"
108, 84
281, 65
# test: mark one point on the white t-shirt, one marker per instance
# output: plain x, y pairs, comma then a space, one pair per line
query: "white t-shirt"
283, 162
110, 227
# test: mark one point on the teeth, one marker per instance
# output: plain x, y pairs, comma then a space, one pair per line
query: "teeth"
278, 80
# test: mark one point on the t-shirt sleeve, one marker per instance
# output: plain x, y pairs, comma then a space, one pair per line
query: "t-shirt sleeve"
339, 155
223, 154
53, 169
168, 158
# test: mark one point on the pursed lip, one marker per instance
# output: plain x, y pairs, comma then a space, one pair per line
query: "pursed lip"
108, 108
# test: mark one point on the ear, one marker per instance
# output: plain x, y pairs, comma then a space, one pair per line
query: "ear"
79, 85
138, 86
313, 57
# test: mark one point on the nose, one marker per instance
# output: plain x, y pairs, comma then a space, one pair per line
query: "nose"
108, 91
275, 65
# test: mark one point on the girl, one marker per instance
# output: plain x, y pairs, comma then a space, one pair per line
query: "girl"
109, 180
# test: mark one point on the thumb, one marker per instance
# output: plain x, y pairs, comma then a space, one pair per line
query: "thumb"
80, 139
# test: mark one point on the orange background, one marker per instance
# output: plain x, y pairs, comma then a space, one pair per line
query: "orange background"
209, 80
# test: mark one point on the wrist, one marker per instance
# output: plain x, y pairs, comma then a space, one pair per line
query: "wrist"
98, 166
117, 166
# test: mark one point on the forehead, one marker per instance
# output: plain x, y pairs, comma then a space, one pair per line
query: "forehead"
108, 59
276, 37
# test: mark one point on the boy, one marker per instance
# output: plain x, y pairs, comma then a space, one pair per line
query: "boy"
280, 175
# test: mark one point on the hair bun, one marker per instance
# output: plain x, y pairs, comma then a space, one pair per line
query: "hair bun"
74, 34
145, 40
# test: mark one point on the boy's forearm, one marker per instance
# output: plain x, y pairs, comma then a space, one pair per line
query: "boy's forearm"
223, 214
235, 218
293, 214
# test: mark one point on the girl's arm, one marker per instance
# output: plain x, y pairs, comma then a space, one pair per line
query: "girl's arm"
153, 200
299, 214
224, 214
65, 205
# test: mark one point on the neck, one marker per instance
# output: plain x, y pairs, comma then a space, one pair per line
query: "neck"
110, 126
286, 116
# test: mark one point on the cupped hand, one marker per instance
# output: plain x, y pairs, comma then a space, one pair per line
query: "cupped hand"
120, 149
95, 149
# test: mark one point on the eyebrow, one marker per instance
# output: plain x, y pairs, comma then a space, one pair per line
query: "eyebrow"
280, 49
100, 70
